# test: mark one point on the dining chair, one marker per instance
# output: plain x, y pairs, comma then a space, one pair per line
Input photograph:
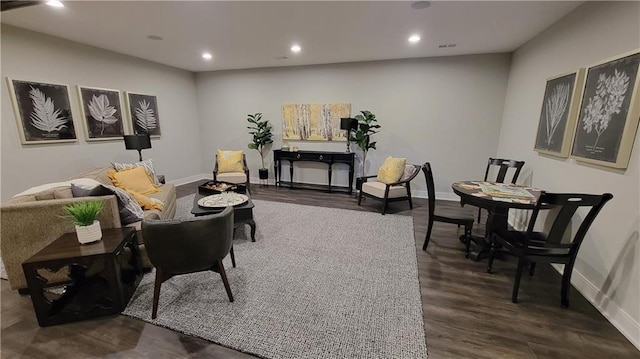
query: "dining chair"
462, 216
533, 247
502, 166
183, 246
389, 192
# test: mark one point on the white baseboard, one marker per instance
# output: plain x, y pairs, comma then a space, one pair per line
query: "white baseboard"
610, 309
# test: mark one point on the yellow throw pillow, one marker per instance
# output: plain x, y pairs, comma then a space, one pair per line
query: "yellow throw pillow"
391, 170
135, 179
230, 161
145, 202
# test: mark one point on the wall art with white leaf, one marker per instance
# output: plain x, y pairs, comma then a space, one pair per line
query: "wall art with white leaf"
42, 112
559, 111
143, 111
609, 112
102, 113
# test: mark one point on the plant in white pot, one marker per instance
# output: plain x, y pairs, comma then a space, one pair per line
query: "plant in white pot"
84, 216
262, 137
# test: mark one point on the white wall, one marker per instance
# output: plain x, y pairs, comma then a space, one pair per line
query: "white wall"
443, 110
608, 266
37, 57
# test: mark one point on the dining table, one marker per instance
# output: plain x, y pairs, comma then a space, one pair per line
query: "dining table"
497, 199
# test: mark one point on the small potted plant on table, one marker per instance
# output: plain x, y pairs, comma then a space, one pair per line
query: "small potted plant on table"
84, 216
262, 137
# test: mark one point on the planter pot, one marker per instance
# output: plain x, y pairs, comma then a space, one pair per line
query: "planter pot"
90, 233
263, 173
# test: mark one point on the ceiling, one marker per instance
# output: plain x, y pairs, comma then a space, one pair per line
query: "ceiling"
244, 34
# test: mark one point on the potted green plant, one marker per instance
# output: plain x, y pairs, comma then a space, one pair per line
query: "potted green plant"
262, 137
84, 216
367, 126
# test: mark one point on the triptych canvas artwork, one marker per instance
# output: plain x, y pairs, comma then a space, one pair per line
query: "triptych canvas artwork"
43, 113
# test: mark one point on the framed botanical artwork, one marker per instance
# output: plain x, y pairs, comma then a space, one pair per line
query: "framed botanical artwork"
101, 113
609, 112
143, 111
314, 122
42, 112
559, 111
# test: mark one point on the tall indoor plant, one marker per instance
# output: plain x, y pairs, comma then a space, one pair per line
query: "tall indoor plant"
367, 126
262, 136
84, 216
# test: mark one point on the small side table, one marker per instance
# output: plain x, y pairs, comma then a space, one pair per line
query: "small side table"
102, 276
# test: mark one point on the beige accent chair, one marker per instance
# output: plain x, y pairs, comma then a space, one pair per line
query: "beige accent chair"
233, 177
392, 192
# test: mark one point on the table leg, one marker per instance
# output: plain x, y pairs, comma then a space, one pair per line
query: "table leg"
497, 219
252, 224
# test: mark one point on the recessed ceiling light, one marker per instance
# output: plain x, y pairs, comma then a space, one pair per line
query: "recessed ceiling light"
296, 48
207, 56
421, 5
154, 37
55, 3
414, 38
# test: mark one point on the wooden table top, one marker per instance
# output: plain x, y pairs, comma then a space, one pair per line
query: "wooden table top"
471, 192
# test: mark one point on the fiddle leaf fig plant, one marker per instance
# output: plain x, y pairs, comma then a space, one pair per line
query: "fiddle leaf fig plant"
367, 126
262, 136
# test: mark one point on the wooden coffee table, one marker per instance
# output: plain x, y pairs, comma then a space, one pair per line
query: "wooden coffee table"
243, 214
102, 276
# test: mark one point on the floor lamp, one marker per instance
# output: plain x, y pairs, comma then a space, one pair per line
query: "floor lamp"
137, 142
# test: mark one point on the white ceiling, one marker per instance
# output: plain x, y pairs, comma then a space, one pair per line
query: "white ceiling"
243, 34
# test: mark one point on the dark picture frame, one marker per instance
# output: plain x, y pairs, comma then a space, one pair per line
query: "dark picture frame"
101, 112
609, 112
559, 112
143, 113
42, 112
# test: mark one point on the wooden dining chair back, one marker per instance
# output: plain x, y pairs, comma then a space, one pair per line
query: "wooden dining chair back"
182, 246
502, 166
389, 192
461, 216
533, 247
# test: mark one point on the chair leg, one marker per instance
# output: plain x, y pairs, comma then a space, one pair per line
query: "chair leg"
384, 207
359, 196
479, 214
532, 268
225, 281
566, 283
467, 234
492, 255
409, 196
156, 293
233, 257
428, 236
516, 282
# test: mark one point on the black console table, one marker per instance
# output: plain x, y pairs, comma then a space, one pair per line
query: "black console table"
312, 156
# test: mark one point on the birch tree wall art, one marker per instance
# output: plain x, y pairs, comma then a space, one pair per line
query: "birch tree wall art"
559, 110
101, 113
314, 122
143, 111
42, 112
609, 113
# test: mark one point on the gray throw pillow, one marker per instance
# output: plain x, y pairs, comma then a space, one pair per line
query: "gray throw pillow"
130, 210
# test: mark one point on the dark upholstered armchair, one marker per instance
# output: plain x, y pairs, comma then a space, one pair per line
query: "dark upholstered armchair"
389, 192
183, 246
233, 177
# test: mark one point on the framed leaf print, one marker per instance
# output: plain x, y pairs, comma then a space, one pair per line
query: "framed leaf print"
143, 111
101, 113
559, 111
42, 112
609, 112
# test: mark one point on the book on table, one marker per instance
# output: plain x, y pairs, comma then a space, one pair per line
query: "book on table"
505, 190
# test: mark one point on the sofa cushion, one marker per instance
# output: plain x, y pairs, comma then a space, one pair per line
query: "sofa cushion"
130, 211
377, 189
135, 179
100, 174
146, 164
232, 177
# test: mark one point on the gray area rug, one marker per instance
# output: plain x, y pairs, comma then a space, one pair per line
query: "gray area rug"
317, 283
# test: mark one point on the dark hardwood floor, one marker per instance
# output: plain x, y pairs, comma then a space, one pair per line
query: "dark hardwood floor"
467, 312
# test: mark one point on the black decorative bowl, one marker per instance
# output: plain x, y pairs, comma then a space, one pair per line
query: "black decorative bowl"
214, 187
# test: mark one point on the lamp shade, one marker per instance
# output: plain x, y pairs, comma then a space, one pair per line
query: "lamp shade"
348, 123
137, 142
